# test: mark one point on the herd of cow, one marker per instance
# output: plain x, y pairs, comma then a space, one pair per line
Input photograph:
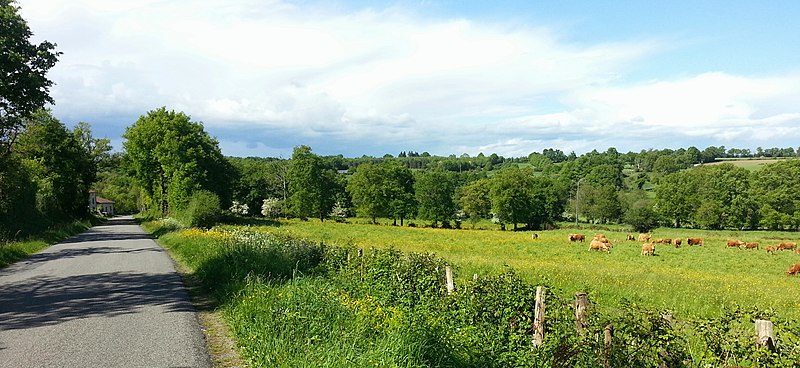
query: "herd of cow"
601, 243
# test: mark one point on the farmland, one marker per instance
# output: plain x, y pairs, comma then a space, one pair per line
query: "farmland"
691, 280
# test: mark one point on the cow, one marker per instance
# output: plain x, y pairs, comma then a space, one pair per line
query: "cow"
733, 243
644, 237
797, 251
577, 237
648, 249
677, 242
630, 237
599, 236
534, 236
753, 245
793, 269
787, 246
771, 249
599, 246
694, 241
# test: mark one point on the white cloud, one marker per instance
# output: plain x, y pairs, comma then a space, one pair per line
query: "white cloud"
387, 76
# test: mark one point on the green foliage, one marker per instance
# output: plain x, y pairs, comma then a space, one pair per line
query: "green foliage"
383, 190
203, 210
518, 196
643, 219
59, 167
19, 250
475, 200
24, 87
434, 192
171, 157
312, 185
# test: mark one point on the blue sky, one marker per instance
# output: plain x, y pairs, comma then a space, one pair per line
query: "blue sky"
447, 77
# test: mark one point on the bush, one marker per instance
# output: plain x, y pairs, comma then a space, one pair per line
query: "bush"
642, 219
203, 210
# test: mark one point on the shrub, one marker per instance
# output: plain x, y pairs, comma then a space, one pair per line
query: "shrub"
203, 210
642, 219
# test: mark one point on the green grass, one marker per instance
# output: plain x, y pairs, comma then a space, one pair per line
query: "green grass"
18, 250
751, 164
293, 302
691, 281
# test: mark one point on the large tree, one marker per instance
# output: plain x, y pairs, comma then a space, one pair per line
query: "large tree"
475, 200
60, 166
519, 196
24, 87
172, 157
312, 185
434, 192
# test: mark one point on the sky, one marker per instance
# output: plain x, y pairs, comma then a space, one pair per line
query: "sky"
445, 77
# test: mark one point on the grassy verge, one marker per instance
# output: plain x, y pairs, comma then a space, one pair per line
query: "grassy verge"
292, 302
18, 250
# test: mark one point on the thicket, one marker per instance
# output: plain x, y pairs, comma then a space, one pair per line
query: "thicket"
298, 303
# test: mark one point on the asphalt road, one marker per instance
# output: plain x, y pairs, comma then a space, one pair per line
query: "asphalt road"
109, 297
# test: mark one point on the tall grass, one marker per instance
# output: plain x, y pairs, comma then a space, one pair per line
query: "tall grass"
14, 251
294, 302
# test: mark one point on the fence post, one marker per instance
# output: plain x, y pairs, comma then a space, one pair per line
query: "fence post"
581, 303
765, 334
448, 273
608, 335
538, 318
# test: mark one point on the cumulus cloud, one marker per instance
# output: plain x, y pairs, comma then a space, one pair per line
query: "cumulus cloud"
269, 75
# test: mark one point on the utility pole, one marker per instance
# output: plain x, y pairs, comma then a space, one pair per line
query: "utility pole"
576, 200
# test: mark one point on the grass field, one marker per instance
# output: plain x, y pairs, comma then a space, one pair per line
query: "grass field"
691, 281
751, 164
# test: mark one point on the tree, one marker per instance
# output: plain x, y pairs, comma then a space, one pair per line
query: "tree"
59, 166
367, 188
24, 87
434, 191
475, 200
172, 157
643, 219
520, 197
312, 185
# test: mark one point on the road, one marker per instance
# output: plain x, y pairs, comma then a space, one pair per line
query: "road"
109, 297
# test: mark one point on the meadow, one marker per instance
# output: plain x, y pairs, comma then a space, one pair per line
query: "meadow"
299, 293
690, 281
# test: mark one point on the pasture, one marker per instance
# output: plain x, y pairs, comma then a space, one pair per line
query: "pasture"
691, 281
751, 164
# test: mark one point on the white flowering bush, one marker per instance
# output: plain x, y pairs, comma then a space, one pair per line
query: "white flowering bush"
339, 212
241, 209
272, 207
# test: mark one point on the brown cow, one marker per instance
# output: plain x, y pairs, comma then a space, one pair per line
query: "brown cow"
630, 237
733, 243
771, 250
793, 269
644, 237
787, 246
534, 236
797, 251
648, 249
677, 242
694, 241
753, 245
577, 237
599, 246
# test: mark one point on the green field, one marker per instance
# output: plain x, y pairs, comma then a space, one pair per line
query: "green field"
690, 280
751, 164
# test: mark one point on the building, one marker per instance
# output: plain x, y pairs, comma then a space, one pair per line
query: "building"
99, 204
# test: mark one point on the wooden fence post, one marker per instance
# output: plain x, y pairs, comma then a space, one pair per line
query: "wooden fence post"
538, 318
361, 264
581, 303
608, 335
765, 334
448, 273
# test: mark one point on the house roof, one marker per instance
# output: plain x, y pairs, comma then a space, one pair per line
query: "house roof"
101, 200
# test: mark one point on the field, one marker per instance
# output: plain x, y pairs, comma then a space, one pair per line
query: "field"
691, 281
747, 163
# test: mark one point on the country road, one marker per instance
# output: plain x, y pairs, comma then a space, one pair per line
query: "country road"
109, 297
